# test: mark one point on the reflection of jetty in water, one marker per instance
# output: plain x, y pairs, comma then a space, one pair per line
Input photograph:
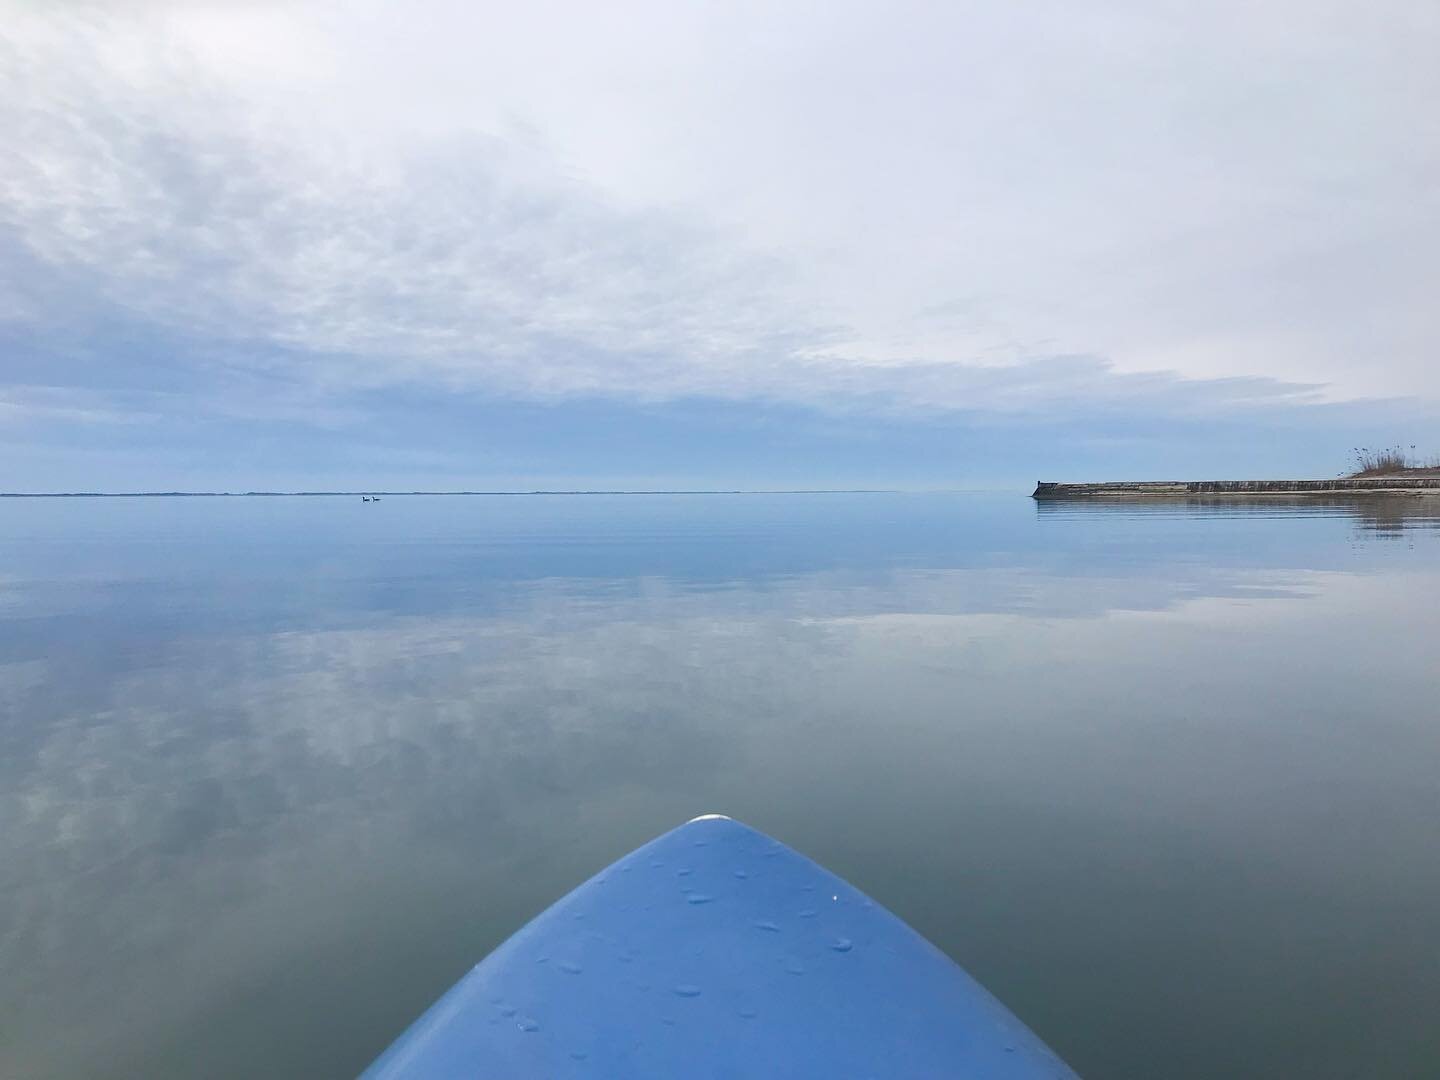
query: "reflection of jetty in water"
1384, 515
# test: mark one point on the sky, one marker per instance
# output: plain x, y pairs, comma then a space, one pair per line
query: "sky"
648, 244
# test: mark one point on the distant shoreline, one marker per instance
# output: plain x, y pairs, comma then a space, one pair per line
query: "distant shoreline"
337, 494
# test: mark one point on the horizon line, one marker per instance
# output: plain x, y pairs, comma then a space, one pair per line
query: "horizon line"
538, 491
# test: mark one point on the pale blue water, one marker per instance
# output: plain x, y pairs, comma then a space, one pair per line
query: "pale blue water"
274, 772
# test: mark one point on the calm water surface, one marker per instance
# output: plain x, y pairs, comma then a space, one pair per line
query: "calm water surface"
275, 772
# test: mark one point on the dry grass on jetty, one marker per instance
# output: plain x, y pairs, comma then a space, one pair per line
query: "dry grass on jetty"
1390, 461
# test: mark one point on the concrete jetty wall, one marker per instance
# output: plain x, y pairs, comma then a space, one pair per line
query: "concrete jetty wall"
1393, 485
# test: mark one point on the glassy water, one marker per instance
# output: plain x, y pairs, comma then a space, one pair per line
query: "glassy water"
275, 772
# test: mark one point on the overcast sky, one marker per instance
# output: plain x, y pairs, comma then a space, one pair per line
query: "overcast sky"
433, 244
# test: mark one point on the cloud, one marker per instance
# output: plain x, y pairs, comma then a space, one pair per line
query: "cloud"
318, 245
26, 405
145, 184
464, 264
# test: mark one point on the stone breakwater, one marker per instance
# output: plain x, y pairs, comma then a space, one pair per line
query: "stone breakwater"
1384, 485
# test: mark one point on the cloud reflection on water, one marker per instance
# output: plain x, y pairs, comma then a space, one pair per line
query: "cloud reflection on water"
191, 833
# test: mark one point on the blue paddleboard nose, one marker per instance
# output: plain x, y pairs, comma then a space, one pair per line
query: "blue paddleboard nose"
716, 951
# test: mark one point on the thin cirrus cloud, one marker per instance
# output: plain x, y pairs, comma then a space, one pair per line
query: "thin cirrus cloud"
279, 208
457, 265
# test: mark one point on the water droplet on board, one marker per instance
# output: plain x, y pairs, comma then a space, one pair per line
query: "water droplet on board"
570, 969
508, 1011
843, 944
748, 1013
774, 928
698, 898
807, 913
526, 1024
794, 967
684, 871
579, 1055
741, 874
687, 990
